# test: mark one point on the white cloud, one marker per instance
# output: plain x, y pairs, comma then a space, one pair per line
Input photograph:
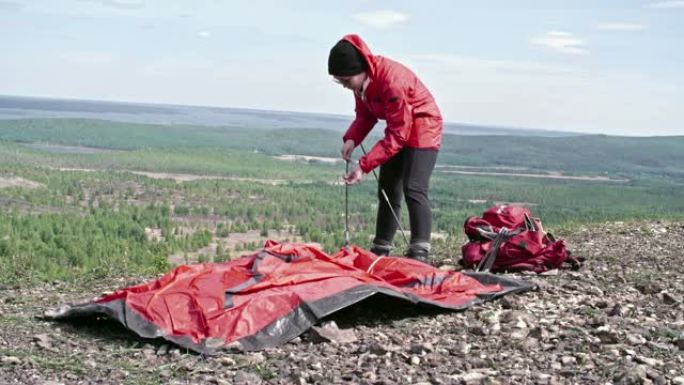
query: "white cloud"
561, 42
471, 64
120, 4
174, 65
618, 26
554, 95
666, 4
381, 19
204, 34
9, 6
89, 57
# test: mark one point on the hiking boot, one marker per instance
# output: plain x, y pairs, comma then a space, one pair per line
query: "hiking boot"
380, 250
418, 255
418, 251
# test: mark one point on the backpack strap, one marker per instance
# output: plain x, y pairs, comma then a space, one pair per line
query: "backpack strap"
529, 223
499, 238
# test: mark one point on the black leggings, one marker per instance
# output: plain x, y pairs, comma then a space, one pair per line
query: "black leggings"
407, 174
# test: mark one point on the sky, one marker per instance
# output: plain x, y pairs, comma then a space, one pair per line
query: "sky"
597, 66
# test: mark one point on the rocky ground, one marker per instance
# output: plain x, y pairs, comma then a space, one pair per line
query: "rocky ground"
619, 320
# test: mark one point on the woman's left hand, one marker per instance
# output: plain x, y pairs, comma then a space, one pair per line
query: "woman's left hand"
354, 176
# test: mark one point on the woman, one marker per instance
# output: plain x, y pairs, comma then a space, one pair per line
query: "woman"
385, 89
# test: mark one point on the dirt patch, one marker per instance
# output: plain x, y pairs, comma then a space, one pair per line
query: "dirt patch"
76, 169
549, 175
153, 234
192, 177
523, 204
309, 159
174, 177
26, 207
449, 166
15, 181
442, 235
231, 246
61, 149
483, 201
237, 239
179, 178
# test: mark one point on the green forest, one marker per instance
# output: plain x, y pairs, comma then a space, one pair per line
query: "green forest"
97, 198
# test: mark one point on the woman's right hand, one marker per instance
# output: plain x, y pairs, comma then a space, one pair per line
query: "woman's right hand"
347, 149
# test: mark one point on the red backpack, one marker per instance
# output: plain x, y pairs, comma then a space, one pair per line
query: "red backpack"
509, 238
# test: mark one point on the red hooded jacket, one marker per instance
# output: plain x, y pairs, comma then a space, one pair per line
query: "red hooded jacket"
396, 95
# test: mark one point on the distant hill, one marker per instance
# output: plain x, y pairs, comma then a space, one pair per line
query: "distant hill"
654, 159
15, 107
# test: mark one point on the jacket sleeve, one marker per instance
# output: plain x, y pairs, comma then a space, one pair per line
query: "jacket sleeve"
361, 126
399, 117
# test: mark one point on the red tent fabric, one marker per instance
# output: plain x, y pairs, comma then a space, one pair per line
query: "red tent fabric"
272, 296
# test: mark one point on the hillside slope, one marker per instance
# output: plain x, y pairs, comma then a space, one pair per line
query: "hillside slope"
618, 320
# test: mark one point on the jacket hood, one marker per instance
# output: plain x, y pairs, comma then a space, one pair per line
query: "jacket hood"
360, 45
